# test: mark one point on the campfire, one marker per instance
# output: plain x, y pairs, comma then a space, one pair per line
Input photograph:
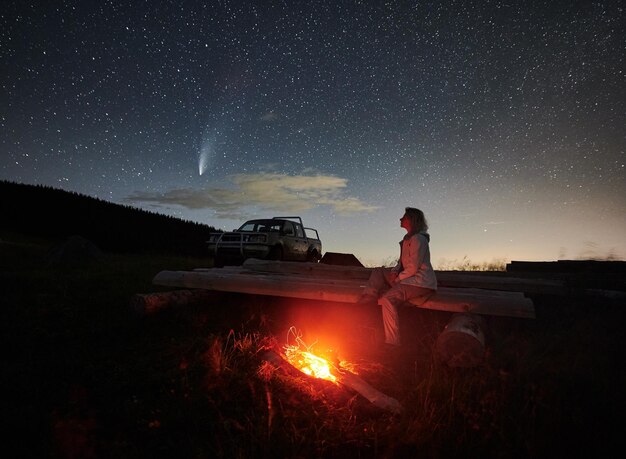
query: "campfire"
301, 357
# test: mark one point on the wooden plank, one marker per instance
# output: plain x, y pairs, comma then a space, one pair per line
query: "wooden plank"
504, 283
245, 275
259, 285
444, 278
489, 281
568, 266
312, 269
479, 301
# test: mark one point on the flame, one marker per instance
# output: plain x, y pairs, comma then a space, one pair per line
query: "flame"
309, 363
300, 356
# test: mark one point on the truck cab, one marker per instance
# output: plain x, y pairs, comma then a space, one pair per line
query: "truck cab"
277, 238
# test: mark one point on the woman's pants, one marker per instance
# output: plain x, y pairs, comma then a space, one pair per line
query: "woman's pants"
390, 297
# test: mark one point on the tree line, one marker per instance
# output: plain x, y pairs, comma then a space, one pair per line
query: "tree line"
49, 212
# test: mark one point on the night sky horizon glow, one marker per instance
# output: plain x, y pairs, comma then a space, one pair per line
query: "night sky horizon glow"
504, 122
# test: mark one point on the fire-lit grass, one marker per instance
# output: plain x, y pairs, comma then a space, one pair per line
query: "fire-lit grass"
87, 377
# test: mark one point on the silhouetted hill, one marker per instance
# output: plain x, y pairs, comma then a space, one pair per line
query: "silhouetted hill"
52, 213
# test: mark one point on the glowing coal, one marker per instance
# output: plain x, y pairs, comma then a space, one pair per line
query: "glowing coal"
309, 363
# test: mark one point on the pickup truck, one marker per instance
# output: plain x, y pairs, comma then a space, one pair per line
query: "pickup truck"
277, 238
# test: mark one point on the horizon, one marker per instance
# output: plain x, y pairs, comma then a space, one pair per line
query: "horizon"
441, 263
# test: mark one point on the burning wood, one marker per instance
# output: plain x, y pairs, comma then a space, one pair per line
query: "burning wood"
309, 363
301, 357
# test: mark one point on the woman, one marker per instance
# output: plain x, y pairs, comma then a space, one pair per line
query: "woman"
412, 277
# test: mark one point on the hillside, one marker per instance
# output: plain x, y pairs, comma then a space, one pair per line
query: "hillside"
53, 213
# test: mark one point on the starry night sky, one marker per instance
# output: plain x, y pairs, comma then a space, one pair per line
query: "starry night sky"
504, 122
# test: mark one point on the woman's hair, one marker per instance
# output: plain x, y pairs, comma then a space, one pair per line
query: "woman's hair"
417, 219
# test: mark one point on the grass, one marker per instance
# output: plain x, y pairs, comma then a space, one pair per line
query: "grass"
465, 264
86, 377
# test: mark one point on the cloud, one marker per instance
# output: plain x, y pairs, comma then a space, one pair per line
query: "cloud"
267, 191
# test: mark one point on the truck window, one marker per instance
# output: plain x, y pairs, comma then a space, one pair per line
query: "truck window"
299, 230
247, 227
288, 229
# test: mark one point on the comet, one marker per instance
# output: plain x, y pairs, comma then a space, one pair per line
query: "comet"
205, 156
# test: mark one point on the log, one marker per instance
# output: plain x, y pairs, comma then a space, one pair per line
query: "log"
462, 342
283, 286
347, 379
318, 270
478, 301
511, 304
375, 397
302, 278
444, 278
568, 266
503, 283
149, 303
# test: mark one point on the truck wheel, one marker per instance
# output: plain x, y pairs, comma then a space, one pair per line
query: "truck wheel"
218, 262
276, 253
313, 256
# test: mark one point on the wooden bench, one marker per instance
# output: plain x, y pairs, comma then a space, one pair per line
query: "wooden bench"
315, 281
